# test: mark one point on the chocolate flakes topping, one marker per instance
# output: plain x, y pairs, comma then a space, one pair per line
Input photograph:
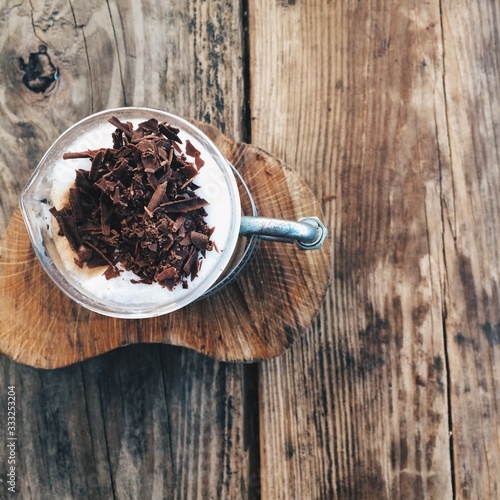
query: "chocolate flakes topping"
136, 208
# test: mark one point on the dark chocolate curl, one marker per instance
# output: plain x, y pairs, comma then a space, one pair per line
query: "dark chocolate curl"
183, 206
157, 196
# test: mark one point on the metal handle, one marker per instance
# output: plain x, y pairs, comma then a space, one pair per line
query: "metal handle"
308, 233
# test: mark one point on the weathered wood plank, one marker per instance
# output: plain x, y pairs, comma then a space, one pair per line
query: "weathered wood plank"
351, 94
50, 461
145, 421
471, 180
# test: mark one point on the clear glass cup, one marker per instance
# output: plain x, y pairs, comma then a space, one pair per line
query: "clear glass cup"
235, 233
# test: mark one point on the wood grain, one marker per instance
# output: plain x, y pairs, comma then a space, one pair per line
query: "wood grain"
156, 421
390, 112
471, 208
259, 315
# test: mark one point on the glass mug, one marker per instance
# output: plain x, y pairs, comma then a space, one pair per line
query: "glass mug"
235, 233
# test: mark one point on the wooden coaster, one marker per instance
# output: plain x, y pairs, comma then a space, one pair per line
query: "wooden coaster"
257, 316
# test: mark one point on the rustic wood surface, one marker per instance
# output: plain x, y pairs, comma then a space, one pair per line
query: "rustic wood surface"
257, 316
390, 111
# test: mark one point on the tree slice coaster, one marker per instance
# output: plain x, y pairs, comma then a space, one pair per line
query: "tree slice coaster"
257, 316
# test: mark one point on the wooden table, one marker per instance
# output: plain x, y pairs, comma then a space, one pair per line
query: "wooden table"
390, 111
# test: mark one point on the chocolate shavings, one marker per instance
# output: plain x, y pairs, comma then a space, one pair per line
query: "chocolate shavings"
135, 209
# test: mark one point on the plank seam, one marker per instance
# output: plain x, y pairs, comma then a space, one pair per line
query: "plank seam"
252, 407
251, 428
245, 42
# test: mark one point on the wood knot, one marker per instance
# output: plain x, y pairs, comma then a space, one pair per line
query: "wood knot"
40, 74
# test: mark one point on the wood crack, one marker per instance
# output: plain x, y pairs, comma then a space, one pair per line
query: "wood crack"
33, 25
106, 442
4, 14
117, 54
447, 118
167, 406
442, 206
80, 27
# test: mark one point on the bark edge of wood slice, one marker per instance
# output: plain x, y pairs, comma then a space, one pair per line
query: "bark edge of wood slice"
257, 316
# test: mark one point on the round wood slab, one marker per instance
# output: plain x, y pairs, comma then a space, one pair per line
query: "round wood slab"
257, 316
